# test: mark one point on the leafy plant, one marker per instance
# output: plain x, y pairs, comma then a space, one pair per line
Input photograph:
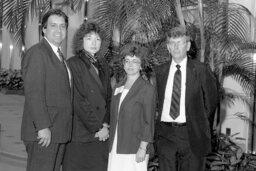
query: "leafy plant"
153, 164
11, 79
229, 157
15, 12
227, 33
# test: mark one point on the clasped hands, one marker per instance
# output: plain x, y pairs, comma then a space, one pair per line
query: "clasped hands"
44, 136
102, 134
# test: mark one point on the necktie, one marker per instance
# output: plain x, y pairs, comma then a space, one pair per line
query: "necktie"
63, 60
176, 91
61, 56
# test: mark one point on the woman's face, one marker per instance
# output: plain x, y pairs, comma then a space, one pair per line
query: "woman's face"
132, 65
92, 42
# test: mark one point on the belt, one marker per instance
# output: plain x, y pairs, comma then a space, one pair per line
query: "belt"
174, 124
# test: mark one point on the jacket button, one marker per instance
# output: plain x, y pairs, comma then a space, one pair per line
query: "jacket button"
97, 107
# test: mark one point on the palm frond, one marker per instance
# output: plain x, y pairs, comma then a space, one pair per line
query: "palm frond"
15, 13
239, 65
228, 20
231, 97
1, 14
139, 20
13, 17
245, 118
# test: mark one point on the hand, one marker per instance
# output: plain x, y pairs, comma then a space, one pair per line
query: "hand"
103, 134
45, 137
140, 155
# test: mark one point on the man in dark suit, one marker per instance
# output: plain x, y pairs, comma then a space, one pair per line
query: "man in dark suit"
187, 98
47, 118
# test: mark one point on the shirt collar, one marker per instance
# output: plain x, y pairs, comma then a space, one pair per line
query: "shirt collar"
54, 48
182, 64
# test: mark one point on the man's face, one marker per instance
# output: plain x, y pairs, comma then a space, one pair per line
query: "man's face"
178, 48
92, 43
55, 30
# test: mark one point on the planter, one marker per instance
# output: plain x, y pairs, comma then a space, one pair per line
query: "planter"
8, 91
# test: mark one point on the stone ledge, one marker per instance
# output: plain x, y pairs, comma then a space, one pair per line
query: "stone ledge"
7, 91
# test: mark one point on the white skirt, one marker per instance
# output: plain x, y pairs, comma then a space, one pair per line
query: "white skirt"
125, 162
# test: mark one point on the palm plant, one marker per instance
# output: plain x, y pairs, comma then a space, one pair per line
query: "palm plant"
134, 19
227, 30
229, 48
15, 12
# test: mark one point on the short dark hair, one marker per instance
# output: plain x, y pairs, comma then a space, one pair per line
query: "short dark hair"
85, 28
51, 12
135, 49
176, 32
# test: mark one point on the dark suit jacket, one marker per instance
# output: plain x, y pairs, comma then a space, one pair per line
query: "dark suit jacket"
47, 95
136, 117
92, 95
200, 99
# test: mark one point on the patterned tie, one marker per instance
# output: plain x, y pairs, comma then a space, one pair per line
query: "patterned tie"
176, 91
63, 60
61, 56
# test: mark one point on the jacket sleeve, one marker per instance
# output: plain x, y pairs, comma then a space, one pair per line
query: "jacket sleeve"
210, 93
33, 71
82, 107
149, 108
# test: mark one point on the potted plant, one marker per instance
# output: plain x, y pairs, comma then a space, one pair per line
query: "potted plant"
11, 81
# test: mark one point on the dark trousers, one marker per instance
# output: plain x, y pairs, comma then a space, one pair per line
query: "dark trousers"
87, 156
44, 158
174, 151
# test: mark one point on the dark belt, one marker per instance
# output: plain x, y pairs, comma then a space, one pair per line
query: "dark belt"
174, 124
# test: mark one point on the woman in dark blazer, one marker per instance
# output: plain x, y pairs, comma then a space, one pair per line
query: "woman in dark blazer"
132, 115
88, 149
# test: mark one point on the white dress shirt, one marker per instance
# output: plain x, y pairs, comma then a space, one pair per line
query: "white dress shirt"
55, 50
165, 117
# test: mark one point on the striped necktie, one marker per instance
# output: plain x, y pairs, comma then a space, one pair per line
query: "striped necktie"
176, 91
63, 60
61, 55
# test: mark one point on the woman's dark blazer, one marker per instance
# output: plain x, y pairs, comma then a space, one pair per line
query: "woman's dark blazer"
92, 95
135, 118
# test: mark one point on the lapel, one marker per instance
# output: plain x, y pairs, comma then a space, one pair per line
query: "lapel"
163, 74
71, 82
96, 77
116, 100
93, 73
57, 62
133, 90
191, 78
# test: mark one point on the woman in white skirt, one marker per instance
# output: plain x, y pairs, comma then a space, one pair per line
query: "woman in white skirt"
132, 115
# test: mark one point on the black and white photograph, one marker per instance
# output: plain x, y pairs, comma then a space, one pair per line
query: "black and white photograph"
127, 85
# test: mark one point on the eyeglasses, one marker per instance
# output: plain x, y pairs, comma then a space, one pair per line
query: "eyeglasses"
134, 61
